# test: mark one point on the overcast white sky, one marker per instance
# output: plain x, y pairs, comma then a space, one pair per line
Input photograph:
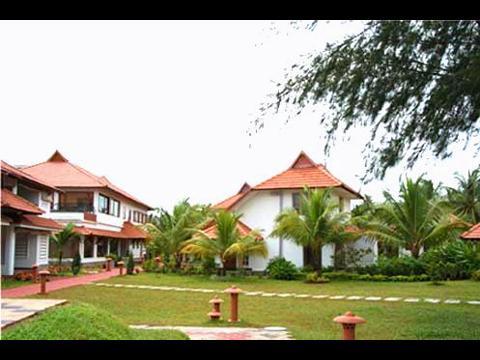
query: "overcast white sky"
162, 108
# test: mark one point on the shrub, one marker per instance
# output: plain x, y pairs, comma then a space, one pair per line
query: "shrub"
454, 260
76, 264
281, 269
476, 275
151, 265
130, 264
314, 278
404, 265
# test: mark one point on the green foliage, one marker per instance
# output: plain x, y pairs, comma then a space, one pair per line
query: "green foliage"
466, 198
403, 265
281, 269
315, 224
226, 242
413, 83
314, 278
151, 265
61, 238
168, 232
453, 261
419, 218
80, 322
76, 264
130, 264
349, 276
476, 275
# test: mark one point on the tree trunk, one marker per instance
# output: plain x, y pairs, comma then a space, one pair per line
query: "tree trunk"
318, 261
223, 270
415, 250
339, 257
60, 256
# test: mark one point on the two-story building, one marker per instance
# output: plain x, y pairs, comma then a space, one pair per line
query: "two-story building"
261, 204
26, 227
104, 215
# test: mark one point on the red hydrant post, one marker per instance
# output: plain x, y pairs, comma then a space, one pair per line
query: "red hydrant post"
43, 281
120, 265
215, 314
234, 292
109, 264
349, 320
34, 273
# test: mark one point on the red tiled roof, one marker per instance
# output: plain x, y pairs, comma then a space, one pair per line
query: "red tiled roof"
22, 175
12, 201
243, 229
303, 172
228, 203
472, 234
41, 222
62, 173
129, 231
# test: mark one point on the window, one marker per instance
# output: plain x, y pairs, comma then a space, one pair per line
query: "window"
129, 215
296, 201
341, 204
246, 261
115, 207
124, 213
21, 247
102, 245
103, 204
88, 247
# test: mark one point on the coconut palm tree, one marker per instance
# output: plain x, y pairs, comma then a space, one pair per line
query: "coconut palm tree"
419, 218
61, 238
317, 222
167, 232
466, 198
226, 241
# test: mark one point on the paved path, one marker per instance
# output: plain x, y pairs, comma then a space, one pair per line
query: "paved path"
15, 310
407, 300
225, 333
53, 285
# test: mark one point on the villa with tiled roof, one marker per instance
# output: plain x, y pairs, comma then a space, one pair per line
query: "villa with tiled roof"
26, 226
105, 216
260, 204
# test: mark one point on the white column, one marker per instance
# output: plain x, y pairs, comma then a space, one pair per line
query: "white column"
108, 246
10, 254
95, 247
81, 246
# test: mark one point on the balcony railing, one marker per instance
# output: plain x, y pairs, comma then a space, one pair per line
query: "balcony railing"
73, 208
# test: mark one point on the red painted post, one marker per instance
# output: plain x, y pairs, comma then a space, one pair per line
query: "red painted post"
215, 314
109, 264
349, 320
34, 273
120, 265
43, 281
234, 292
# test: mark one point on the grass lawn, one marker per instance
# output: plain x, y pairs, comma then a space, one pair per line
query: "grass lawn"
81, 322
12, 283
305, 318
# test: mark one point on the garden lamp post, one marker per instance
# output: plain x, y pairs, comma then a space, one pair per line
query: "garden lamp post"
120, 266
234, 292
215, 313
43, 281
349, 320
34, 273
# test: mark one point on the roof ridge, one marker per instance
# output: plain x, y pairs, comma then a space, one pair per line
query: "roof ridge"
25, 174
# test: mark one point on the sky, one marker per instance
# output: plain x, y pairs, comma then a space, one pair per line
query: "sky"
163, 108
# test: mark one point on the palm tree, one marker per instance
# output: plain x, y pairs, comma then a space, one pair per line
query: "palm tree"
226, 241
167, 232
419, 218
466, 198
61, 238
318, 222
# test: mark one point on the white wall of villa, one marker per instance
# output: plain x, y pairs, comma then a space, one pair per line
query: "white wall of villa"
259, 209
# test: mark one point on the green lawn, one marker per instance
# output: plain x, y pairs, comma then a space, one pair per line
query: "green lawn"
11, 283
305, 318
82, 322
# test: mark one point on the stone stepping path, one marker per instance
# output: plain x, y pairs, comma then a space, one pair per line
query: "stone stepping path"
225, 333
301, 296
15, 310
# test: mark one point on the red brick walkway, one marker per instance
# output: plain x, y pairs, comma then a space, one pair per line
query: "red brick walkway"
57, 284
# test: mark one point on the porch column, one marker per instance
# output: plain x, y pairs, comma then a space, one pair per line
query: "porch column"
81, 246
10, 251
95, 239
108, 246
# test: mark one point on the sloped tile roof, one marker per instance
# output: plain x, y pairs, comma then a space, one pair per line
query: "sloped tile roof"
472, 234
22, 175
41, 222
303, 172
129, 231
12, 201
243, 229
59, 171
